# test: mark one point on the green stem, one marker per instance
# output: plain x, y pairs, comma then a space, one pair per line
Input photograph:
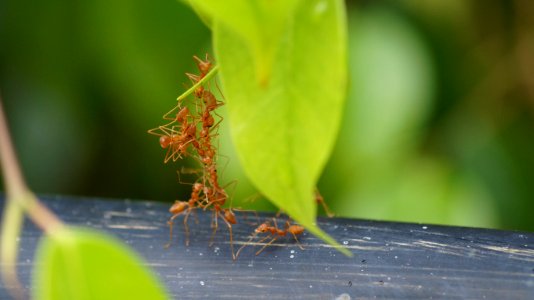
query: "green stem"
12, 221
208, 76
19, 199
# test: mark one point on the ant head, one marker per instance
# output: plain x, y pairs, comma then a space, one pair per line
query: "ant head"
198, 186
204, 132
199, 91
165, 141
209, 99
178, 207
296, 229
191, 130
207, 119
182, 114
208, 191
207, 160
262, 228
204, 66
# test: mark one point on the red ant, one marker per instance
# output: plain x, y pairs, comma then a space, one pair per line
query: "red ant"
204, 66
275, 233
180, 207
177, 138
177, 141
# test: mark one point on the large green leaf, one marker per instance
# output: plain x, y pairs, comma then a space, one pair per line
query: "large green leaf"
84, 264
284, 128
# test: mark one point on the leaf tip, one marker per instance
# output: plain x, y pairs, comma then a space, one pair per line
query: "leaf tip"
328, 239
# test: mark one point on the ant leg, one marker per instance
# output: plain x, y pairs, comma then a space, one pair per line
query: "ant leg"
170, 222
196, 217
245, 215
275, 225
234, 186
319, 198
265, 246
186, 227
180, 179
252, 236
166, 116
168, 155
219, 89
216, 216
231, 236
298, 243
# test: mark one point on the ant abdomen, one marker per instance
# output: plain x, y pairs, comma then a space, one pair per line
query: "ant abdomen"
178, 207
165, 141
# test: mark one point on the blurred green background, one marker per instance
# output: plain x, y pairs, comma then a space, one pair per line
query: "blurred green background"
438, 128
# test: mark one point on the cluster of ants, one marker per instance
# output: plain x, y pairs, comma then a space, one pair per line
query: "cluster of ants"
192, 134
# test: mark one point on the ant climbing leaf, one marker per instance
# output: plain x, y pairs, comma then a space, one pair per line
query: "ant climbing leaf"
284, 125
85, 264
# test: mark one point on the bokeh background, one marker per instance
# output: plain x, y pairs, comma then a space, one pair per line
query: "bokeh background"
438, 126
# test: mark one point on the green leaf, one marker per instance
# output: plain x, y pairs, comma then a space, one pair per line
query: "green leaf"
260, 23
284, 131
85, 264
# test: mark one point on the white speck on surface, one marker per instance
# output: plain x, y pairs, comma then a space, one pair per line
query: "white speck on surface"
200, 254
343, 296
202, 282
291, 256
345, 242
367, 238
396, 257
216, 249
292, 251
424, 227
270, 268
311, 286
389, 278
250, 265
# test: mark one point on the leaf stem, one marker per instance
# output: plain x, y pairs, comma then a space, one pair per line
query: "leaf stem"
208, 76
19, 199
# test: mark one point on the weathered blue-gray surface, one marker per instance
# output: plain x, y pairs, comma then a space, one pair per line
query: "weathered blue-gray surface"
391, 260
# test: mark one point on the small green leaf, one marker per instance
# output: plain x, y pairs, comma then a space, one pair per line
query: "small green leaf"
284, 131
84, 264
